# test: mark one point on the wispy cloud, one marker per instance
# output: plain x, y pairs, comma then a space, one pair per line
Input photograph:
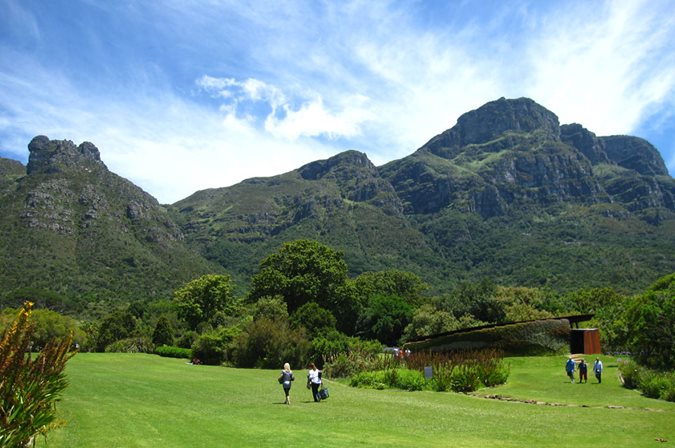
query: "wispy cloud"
182, 95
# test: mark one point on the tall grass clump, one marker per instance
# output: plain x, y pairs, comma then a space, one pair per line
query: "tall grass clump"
29, 386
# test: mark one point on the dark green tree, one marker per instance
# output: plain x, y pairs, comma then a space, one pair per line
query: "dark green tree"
118, 325
201, 298
273, 308
315, 319
477, 299
303, 271
392, 282
650, 320
163, 333
384, 318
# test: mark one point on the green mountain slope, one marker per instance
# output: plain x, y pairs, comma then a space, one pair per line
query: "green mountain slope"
342, 202
70, 226
507, 193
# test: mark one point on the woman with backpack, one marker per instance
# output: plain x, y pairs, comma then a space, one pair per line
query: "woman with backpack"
285, 380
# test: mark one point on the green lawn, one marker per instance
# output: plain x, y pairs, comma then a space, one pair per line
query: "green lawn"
124, 400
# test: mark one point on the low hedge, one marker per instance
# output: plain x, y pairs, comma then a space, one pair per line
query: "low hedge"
169, 351
523, 338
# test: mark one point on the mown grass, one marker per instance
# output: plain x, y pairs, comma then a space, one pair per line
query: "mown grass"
134, 400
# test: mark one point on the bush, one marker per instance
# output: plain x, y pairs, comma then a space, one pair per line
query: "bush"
410, 380
269, 344
29, 386
368, 380
651, 383
131, 345
170, 351
209, 349
187, 339
630, 373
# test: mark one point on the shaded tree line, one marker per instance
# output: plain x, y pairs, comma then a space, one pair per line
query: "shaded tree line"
302, 305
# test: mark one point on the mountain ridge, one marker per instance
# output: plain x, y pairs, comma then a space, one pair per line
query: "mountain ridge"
507, 193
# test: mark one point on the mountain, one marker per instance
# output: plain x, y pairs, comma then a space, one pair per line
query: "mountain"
71, 227
507, 193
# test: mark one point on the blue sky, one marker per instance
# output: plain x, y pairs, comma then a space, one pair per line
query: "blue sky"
185, 95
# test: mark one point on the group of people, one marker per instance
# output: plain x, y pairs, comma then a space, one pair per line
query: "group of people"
313, 381
571, 366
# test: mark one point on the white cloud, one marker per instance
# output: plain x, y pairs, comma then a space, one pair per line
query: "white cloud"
284, 121
604, 67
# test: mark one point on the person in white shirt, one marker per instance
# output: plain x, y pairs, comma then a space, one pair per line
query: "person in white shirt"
314, 381
597, 368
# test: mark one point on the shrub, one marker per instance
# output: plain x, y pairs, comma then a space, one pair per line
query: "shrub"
368, 380
653, 384
170, 351
346, 364
463, 370
410, 380
187, 339
131, 345
630, 373
209, 349
29, 386
269, 344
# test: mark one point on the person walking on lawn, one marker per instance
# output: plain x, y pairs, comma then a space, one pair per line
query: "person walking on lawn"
597, 368
285, 380
569, 367
583, 372
314, 381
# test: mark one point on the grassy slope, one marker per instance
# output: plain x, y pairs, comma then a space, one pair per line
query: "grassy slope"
117, 400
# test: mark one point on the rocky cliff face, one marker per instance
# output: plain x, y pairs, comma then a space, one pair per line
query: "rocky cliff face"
512, 154
89, 229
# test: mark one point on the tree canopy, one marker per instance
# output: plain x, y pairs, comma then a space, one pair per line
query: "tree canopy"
203, 297
302, 271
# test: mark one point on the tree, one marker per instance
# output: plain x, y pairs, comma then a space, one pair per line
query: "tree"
427, 320
384, 318
273, 308
163, 334
650, 319
477, 299
116, 326
203, 297
392, 282
302, 271
315, 319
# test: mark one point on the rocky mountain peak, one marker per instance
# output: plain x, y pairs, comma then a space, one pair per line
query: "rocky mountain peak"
585, 141
492, 121
636, 154
344, 161
496, 117
50, 156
